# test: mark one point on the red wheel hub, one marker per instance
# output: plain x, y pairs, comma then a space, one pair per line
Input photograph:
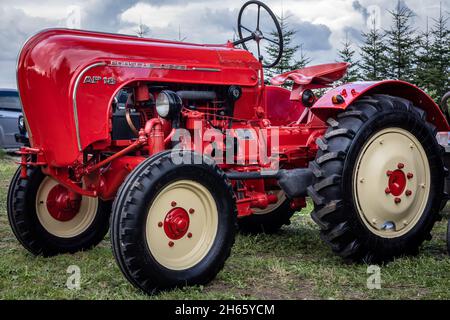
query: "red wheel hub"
62, 204
397, 182
176, 223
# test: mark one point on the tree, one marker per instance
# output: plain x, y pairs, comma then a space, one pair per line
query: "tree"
440, 56
346, 54
424, 61
401, 44
288, 60
373, 55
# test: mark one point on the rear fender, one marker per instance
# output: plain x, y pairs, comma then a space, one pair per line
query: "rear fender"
324, 107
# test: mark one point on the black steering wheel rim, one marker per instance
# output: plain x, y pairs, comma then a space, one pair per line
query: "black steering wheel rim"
257, 35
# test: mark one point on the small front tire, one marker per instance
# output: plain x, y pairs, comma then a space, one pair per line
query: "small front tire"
33, 216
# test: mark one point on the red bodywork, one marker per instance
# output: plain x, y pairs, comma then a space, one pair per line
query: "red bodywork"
68, 80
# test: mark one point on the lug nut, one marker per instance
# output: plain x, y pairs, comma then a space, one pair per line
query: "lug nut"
173, 203
397, 200
389, 173
409, 175
408, 192
189, 235
387, 190
171, 244
191, 211
400, 165
160, 224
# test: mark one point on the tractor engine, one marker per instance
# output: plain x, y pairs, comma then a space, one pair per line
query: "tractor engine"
179, 106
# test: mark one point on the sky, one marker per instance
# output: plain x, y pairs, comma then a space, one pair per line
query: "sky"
321, 25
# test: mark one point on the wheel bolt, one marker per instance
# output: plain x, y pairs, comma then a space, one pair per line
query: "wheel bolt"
191, 211
160, 224
173, 204
400, 165
189, 235
387, 190
389, 173
397, 200
408, 192
171, 244
409, 175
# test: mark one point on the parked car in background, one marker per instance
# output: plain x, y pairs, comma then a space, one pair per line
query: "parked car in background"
10, 114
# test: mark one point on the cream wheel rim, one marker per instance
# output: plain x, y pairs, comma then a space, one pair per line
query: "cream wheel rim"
64, 229
198, 231
391, 182
271, 207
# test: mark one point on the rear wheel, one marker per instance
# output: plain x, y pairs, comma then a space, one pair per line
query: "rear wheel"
47, 219
379, 180
173, 224
270, 219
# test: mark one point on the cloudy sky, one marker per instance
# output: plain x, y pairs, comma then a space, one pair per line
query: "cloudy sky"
321, 24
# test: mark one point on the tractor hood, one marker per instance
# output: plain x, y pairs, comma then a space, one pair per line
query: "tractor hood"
68, 78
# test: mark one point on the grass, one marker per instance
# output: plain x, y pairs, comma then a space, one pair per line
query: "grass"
294, 264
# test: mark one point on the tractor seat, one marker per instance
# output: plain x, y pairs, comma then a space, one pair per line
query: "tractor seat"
322, 74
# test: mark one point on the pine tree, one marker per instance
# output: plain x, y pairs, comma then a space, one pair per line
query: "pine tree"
303, 59
424, 61
401, 44
346, 54
288, 60
440, 56
373, 55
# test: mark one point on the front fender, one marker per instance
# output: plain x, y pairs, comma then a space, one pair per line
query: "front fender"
324, 107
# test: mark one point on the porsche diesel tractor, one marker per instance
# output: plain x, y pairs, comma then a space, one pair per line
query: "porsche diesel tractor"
174, 146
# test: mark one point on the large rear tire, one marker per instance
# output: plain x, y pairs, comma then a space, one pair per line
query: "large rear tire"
173, 224
43, 228
379, 180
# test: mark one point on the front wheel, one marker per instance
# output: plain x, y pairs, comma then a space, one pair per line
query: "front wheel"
47, 220
173, 224
379, 180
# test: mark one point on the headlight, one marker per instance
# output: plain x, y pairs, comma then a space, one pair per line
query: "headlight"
21, 125
168, 104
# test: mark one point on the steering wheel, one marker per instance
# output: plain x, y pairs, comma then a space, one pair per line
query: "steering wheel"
257, 35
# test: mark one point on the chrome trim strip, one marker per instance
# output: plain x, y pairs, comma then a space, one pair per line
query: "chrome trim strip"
163, 66
205, 69
74, 98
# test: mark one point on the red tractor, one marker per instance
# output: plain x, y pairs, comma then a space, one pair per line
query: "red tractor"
172, 145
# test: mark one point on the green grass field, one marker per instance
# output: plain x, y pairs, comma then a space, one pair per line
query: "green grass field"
294, 264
